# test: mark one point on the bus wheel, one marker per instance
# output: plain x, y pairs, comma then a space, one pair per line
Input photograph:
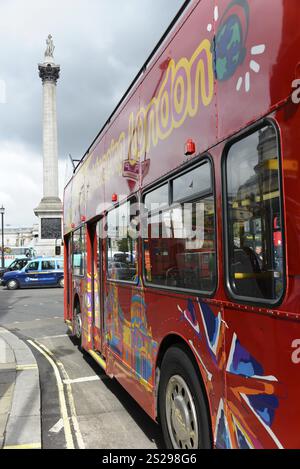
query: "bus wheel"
182, 408
78, 322
12, 285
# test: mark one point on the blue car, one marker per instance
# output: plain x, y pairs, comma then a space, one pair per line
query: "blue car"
39, 272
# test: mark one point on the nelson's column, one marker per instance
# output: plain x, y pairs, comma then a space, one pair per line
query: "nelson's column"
49, 210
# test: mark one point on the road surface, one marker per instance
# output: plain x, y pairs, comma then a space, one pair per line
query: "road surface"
91, 410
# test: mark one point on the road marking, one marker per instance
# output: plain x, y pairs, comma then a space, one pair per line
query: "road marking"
27, 446
81, 380
71, 400
37, 319
53, 336
69, 394
33, 366
57, 427
61, 396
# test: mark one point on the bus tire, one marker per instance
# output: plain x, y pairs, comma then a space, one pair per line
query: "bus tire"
78, 322
12, 284
182, 408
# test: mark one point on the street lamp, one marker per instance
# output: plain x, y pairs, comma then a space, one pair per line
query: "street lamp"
2, 211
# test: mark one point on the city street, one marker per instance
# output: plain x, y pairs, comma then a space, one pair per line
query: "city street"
98, 412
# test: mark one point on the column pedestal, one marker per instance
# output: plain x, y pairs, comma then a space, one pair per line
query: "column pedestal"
49, 213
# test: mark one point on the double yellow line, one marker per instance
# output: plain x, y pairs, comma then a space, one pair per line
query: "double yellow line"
56, 364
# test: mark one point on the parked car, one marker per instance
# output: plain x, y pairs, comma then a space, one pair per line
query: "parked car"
39, 272
126, 257
16, 264
120, 271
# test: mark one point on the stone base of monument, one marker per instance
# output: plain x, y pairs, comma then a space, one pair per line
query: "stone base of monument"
49, 213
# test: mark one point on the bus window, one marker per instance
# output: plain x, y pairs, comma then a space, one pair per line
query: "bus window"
158, 198
78, 252
121, 242
179, 249
255, 255
191, 183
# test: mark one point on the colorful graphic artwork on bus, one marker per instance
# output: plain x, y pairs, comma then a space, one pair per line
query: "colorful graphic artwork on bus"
189, 314
248, 385
88, 313
131, 339
229, 45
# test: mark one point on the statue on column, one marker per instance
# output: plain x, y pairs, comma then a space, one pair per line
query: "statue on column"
50, 47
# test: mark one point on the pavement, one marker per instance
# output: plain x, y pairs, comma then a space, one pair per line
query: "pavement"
20, 397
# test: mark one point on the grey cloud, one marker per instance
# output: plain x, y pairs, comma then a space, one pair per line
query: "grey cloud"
100, 46
86, 34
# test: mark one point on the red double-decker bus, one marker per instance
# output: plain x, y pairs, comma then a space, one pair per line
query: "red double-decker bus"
182, 230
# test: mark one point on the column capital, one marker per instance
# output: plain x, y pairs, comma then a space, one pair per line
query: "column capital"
49, 72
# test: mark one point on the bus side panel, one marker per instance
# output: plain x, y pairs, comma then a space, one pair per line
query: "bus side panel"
262, 408
244, 73
135, 341
130, 348
95, 175
181, 85
199, 322
288, 119
140, 391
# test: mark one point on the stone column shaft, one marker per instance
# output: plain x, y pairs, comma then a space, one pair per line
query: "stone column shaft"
50, 154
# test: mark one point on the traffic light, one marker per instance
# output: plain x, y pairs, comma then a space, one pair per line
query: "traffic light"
57, 250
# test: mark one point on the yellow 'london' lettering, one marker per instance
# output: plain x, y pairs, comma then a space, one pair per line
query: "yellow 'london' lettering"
188, 85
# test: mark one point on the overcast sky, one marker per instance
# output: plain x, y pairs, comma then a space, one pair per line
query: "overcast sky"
100, 46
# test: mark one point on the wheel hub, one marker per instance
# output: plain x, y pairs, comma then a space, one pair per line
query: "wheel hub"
78, 325
180, 418
181, 414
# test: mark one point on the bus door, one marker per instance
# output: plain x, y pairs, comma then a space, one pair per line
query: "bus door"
67, 277
97, 284
124, 304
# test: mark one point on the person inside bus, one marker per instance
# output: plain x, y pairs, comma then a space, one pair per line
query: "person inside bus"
246, 269
259, 256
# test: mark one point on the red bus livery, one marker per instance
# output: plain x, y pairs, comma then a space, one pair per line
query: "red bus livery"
182, 230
